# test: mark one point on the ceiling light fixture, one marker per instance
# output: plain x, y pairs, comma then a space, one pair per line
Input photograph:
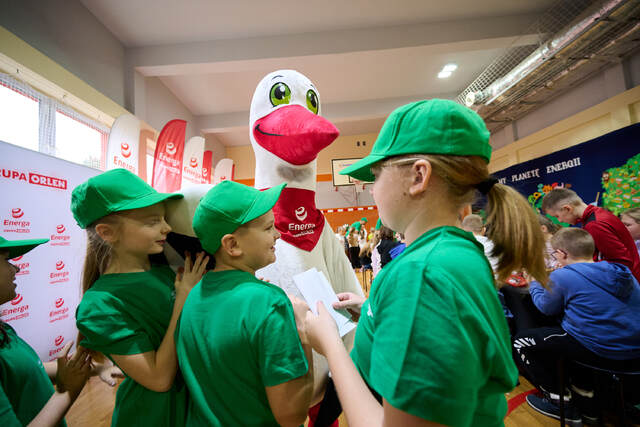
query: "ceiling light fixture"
447, 70
450, 67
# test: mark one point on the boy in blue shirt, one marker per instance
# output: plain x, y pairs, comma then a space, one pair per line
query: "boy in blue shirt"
600, 307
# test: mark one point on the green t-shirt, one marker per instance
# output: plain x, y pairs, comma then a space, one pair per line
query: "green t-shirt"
26, 387
432, 338
129, 313
236, 335
356, 226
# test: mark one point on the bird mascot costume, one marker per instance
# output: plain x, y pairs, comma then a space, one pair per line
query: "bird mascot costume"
287, 132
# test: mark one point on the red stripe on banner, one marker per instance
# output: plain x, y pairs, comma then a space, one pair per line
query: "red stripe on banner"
518, 400
167, 160
207, 166
353, 209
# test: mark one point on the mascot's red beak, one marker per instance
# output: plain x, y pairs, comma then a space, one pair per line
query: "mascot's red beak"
294, 134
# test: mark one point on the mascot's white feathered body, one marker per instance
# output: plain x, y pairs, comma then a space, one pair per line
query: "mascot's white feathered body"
287, 133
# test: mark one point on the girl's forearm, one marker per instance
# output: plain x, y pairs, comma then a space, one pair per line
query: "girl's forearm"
166, 359
51, 368
54, 410
359, 405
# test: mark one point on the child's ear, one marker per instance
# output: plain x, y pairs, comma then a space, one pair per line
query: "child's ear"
421, 174
230, 245
107, 232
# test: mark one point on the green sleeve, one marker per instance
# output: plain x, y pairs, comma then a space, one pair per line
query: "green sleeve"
280, 354
107, 328
423, 359
8, 418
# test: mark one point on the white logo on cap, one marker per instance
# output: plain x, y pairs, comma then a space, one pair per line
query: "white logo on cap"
301, 213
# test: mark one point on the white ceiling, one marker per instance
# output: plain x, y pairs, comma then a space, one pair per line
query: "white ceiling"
365, 56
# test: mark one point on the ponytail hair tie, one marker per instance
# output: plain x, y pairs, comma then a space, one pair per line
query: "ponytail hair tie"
485, 186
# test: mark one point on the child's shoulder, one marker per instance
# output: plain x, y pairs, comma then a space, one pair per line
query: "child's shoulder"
246, 285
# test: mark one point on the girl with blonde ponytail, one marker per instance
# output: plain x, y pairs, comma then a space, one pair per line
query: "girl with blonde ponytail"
432, 341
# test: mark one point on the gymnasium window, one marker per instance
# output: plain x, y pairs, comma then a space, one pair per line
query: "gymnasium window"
19, 114
37, 122
79, 142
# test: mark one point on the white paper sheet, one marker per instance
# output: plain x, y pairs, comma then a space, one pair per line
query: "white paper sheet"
314, 287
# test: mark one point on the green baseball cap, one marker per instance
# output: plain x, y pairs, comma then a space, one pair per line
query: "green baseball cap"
19, 247
436, 126
113, 191
226, 207
364, 218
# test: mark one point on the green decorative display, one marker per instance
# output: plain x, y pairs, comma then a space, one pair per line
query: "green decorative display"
621, 186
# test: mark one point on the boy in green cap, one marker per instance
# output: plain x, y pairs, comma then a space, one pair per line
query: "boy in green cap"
131, 302
237, 341
432, 340
26, 394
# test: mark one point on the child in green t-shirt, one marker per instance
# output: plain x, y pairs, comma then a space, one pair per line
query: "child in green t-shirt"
243, 358
130, 306
26, 394
432, 340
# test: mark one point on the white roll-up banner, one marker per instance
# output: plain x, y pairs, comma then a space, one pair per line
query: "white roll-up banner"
224, 171
124, 142
192, 162
36, 198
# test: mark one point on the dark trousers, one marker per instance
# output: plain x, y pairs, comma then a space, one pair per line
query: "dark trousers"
330, 407
525, 314
538, 350
354, 256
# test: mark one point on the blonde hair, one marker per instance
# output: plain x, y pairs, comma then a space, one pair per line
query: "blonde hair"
99, 253
514, 228
98, 257
551, 227
576, 242
633, 213
473, 223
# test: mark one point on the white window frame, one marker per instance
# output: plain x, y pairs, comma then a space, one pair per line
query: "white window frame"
47, 117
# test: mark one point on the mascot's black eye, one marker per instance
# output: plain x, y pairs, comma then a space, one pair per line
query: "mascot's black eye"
280, 94
312, 101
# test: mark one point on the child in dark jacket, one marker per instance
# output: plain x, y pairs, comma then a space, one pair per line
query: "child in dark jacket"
600, 307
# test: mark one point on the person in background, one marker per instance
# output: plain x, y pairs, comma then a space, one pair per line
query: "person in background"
27, 396
376, 262
631, 219
548, 230
354, 247
387, 243
613, 240
474, 224
600, 307
400, 246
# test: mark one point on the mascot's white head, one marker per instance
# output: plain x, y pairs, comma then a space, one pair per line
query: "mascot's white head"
287, 131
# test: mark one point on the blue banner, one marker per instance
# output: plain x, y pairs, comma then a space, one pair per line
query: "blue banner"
606, 169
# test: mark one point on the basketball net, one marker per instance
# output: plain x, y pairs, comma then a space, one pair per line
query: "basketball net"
359, 186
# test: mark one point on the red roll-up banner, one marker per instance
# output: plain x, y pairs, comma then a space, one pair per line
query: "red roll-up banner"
207, 166
167, 160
